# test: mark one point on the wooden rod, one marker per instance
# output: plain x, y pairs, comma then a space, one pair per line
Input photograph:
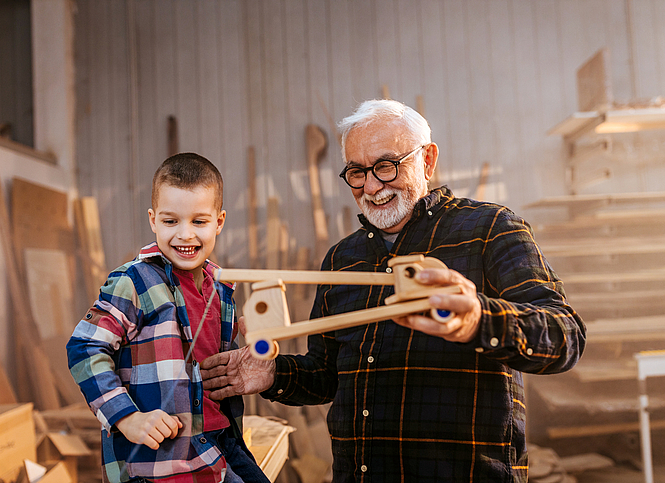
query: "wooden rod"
341, 321
304, 276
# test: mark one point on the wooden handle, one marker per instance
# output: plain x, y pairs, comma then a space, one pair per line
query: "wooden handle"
316, 144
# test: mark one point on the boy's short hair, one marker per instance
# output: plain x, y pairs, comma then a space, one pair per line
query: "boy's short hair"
188, 171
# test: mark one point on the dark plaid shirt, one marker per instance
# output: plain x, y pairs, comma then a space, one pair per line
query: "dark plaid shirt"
409, 407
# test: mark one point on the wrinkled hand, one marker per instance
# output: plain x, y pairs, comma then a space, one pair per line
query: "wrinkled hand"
149, 428
237, 372
466, 306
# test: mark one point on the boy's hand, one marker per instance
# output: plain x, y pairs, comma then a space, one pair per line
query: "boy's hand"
237, 372
149, 428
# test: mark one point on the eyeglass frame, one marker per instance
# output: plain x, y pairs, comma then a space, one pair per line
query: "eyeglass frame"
396, 162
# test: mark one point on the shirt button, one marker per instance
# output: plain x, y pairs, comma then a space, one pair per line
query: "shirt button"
494, 342
529, 351
365, 413
196, 403
280, 391
363, 468
479, 349
203, 440
429, 213
370, 359
370, 235
389, 270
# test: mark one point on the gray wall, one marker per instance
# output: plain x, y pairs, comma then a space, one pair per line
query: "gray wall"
494, 76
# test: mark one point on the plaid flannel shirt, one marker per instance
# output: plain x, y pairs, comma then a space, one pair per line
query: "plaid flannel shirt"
407, 406
128, 354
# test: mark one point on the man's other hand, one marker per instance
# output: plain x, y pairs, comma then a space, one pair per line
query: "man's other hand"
464, 326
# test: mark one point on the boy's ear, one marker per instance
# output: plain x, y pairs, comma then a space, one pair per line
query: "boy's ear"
221, 218
151, 218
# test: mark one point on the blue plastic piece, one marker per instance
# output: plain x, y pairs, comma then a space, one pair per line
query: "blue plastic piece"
261, 347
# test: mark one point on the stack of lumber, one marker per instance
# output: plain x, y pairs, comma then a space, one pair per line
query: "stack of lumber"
44, 260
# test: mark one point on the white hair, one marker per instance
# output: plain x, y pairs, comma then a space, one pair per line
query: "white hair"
385, 110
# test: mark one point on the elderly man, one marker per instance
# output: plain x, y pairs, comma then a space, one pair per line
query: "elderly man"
414, 400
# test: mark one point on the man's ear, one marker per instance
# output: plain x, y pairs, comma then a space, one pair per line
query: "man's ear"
431, 157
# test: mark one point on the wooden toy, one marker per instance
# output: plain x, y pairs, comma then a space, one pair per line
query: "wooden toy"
267, 315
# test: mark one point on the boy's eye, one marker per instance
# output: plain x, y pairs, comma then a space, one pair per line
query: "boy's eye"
200, 222
169, 222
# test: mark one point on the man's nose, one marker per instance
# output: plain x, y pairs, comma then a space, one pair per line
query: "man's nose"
372, 184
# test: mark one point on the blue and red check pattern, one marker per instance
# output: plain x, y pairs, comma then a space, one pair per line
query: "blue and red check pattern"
128, 354
411, 407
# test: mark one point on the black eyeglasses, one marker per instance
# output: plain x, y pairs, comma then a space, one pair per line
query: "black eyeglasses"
385, 170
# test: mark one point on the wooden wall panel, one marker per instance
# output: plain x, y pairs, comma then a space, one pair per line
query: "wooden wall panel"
494, 76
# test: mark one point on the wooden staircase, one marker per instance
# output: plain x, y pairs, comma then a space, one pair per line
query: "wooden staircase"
609, 250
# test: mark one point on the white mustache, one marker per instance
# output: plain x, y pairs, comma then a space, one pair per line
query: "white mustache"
384, 193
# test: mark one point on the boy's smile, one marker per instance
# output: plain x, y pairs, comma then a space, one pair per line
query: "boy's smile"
186, 224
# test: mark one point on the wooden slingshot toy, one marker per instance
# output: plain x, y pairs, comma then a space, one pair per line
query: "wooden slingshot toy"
267, 315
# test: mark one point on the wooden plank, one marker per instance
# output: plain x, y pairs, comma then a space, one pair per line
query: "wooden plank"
252, 215
601, 199
7, 395
273, 234
594, 86
583, 431
37, 211
604, 246
41, 378
90, 238
50, 291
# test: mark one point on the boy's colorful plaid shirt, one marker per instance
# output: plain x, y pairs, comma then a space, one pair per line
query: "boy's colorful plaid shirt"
412, 407
127, 354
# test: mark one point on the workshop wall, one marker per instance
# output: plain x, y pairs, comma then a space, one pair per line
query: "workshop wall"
491, 77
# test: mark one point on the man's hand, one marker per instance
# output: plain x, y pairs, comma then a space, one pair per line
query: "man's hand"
466, 306
149, 428
237, 372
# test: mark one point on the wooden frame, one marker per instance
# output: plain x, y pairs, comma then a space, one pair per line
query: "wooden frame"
266, 311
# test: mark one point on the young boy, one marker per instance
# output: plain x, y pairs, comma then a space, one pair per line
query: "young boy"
128, 354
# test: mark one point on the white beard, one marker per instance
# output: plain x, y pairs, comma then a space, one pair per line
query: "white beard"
406, 201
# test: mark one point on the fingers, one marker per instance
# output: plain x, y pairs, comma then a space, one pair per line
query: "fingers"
223, 393
213, 382
241, 326
219, 359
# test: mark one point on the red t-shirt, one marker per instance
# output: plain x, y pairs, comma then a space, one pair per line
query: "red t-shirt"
209, 340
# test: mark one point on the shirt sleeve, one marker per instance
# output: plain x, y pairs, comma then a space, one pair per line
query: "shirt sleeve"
94, 350
526, 321
308, 379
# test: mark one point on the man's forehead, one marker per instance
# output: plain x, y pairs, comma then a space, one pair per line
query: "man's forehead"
375, 140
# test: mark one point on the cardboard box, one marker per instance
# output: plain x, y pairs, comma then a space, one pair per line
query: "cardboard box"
17, 439
65, 447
